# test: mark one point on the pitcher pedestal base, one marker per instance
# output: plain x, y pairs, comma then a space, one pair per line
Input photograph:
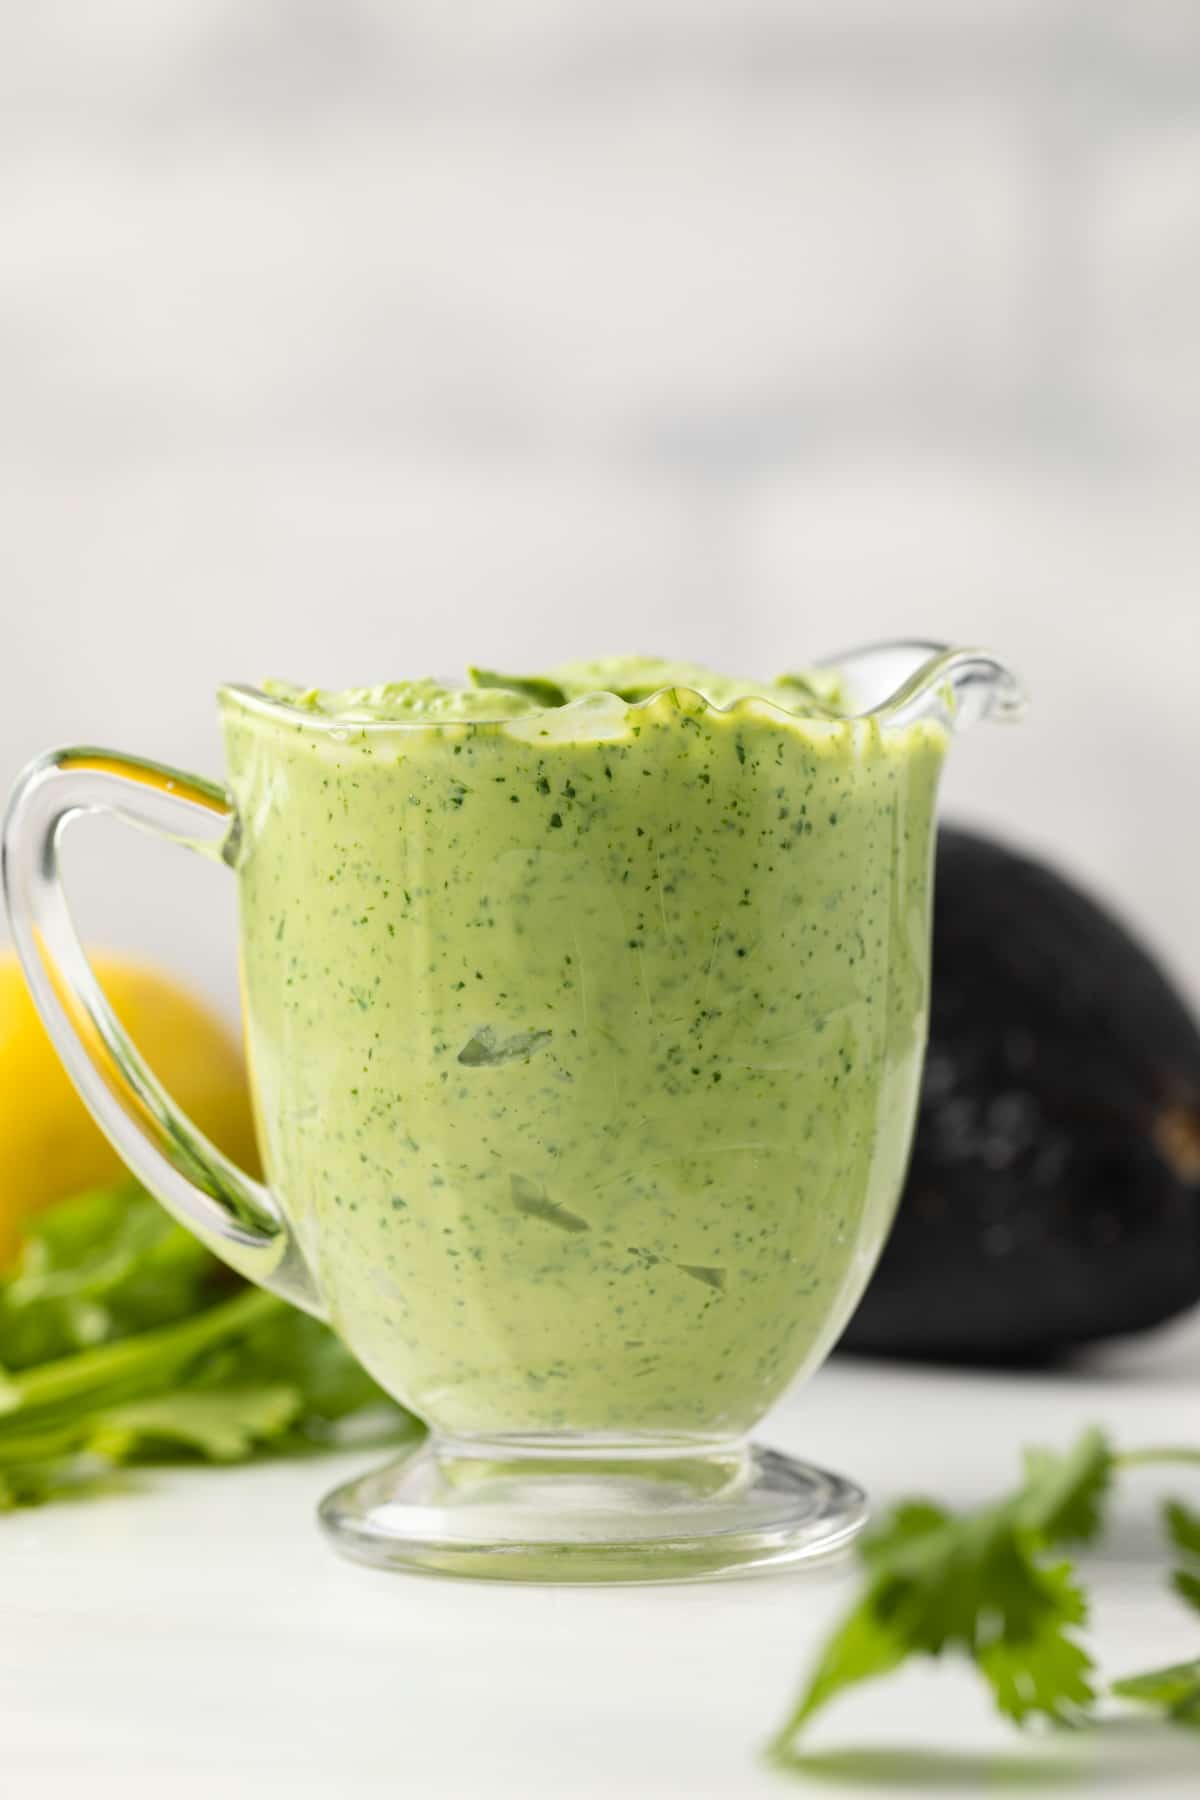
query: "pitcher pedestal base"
503, 1513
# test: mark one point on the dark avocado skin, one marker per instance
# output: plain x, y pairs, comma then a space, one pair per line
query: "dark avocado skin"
1053, 1195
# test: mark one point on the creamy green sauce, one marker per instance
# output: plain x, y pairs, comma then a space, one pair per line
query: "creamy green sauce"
585, 1015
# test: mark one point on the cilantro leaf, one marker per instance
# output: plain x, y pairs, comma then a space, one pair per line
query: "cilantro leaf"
534, 687
34, 1483
1064, 1495
1187, 1586
979, 1584
45, 1397
1174, 1691
1044, 1671
1183, 1527
122, 1339
863, 1648
223, 1423
97, 1267
909, 1520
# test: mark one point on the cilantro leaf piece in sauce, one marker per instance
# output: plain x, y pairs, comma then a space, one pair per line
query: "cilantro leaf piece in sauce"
534, 687
485, 1048
528, 1197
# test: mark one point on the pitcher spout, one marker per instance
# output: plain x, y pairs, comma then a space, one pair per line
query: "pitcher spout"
903, 682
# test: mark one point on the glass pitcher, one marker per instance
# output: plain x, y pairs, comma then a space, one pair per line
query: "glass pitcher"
585, 1047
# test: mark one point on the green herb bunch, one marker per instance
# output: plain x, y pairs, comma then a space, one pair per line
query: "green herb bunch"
123, 1340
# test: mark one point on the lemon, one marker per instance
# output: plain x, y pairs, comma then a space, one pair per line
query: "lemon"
49, 1147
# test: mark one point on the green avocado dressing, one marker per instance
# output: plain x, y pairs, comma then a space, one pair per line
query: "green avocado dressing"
585, 1013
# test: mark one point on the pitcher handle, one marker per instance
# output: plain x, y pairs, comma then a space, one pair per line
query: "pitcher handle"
234, 1215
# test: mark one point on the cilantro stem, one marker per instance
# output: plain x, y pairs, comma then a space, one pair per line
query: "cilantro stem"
1135, 1459
39, 1446
33, 1401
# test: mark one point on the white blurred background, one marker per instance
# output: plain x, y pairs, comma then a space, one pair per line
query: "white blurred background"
348, 339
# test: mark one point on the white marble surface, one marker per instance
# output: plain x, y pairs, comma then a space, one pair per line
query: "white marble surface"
196, 1638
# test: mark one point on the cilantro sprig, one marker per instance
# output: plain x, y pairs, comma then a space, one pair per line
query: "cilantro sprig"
992, 1586
1174, 1692
122, 1340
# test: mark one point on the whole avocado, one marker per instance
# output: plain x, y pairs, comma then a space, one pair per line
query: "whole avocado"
1053, 1195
